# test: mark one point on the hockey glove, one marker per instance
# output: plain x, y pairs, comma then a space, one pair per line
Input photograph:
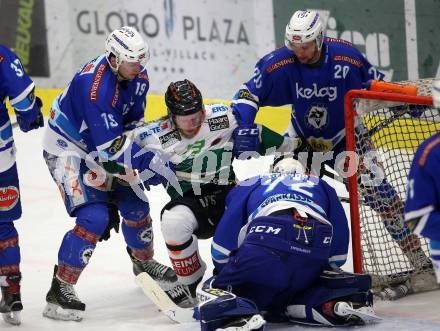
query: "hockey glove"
246, 138
159, 170
25, 126
113, 222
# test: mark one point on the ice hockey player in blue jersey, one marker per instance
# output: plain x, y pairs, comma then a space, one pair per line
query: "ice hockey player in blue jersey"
422, 210
278, 249
313, 74
105, 97
16, 85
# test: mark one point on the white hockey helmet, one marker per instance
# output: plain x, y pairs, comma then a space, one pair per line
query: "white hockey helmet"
288, 165
304, 26
127, 44
436, 94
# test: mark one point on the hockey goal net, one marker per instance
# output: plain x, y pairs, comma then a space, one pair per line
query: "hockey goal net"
384, 130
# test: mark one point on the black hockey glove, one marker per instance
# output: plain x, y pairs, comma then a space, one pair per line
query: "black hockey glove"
113, 221
25, 126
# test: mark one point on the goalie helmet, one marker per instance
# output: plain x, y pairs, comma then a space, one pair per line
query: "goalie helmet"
436, 94
183, 98
288, 165
304, 26
127, 45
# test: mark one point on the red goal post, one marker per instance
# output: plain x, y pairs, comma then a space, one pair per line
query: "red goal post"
393, 135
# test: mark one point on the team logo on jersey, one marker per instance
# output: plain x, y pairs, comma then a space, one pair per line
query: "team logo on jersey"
170, 138
146, 235
317, 117
86, 254
218, 123
9, 197
331, 92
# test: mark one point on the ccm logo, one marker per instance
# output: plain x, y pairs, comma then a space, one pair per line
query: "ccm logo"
244, 132
327, 240
264, 229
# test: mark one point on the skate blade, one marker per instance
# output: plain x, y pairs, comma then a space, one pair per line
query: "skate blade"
12, 317
56, 312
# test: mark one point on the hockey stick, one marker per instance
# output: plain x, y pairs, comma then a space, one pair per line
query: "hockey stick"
158, 296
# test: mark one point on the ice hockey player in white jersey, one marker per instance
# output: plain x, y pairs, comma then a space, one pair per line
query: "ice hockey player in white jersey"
197, 139
278, 249
422, 210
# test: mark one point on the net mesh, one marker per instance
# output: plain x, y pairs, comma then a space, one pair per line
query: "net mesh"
387, 135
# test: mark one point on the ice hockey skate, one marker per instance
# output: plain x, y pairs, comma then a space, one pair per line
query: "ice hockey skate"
10, 305
166, 278
62, 301
352, 314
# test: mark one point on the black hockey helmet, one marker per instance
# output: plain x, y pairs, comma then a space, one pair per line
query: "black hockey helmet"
183, 98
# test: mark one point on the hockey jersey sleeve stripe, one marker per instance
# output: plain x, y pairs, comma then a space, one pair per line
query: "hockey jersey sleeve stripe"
337, 260
418, 213
5, 133
246, 102
219, 254
421, 223
21, 100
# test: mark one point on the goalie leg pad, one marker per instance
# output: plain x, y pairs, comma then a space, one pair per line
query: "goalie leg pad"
225, 307
312, 306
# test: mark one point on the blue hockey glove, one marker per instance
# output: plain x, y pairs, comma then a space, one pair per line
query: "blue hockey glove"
24, 125
157, 169
246, 138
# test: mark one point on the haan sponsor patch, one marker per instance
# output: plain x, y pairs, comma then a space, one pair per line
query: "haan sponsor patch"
218, 123
9, 197
170, 138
